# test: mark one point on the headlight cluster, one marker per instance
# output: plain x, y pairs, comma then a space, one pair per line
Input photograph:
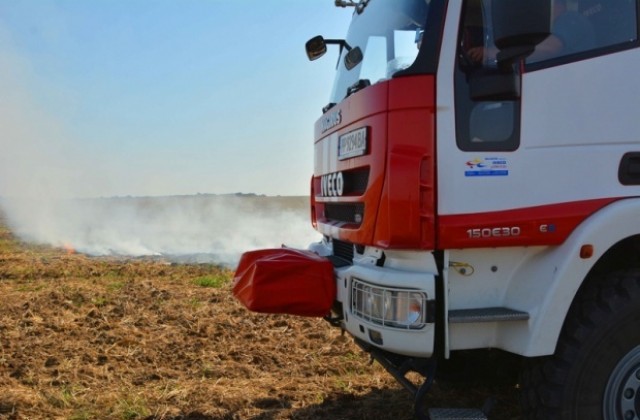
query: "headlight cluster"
398, 308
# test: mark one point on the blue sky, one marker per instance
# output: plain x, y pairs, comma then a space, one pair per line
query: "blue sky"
166, 97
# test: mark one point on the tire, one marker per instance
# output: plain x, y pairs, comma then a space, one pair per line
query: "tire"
595, 371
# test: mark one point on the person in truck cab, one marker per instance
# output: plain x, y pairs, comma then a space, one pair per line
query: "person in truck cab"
571, 33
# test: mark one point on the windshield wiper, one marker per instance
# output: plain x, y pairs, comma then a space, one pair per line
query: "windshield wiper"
359, 85
328, 107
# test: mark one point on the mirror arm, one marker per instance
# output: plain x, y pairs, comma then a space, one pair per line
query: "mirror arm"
341, 42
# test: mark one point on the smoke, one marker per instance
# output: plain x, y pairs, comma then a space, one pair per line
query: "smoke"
200, 228
45, 172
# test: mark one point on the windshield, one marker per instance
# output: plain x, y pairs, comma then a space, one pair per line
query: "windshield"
389, 33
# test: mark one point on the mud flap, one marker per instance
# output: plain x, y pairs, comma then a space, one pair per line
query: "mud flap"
285, 281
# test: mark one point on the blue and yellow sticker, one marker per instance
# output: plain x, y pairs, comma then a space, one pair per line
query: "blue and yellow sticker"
487, 166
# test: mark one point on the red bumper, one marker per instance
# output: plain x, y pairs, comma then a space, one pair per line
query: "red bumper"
285, 281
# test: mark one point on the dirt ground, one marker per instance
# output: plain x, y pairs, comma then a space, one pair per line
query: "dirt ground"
107, 338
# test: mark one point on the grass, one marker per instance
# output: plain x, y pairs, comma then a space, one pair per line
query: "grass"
82, 414
99, 338
64, 398
100, 301
195, 303
30, 287
214, 281
115, 286
132, 408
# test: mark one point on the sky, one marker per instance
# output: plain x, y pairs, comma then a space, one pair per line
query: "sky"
103, 98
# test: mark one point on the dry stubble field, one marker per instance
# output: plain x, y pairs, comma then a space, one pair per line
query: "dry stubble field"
107, 338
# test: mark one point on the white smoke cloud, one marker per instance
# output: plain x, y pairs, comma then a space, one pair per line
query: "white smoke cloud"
44, 173
202, 228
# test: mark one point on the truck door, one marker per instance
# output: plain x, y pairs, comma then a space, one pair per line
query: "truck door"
580, 96
522, 171
478, 141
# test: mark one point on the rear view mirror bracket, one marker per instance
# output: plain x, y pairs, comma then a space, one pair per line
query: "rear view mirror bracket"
316, 47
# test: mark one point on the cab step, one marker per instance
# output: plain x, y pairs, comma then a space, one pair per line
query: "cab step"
496, 314
456, 414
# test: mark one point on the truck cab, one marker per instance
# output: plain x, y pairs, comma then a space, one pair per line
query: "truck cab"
476, 182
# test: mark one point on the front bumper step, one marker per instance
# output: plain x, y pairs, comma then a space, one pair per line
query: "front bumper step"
456, 414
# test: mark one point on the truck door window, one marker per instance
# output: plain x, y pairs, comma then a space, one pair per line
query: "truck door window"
481, 125
583, 28
491, 122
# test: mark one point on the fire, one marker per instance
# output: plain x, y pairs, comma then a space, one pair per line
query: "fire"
69, 248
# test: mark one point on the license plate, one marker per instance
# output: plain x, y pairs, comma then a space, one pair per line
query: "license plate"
352, 144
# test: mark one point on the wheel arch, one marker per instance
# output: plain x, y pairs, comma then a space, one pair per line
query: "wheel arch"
546, 286
624, 254
596, 360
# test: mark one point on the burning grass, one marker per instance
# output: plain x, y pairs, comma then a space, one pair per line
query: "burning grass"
106, 338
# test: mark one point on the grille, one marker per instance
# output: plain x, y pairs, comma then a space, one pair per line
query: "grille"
343, 250
356, 181
344, 212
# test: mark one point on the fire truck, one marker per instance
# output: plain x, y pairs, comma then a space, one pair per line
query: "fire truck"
477, 185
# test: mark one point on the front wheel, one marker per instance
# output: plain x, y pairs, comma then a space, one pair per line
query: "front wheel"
622, 395
595, 371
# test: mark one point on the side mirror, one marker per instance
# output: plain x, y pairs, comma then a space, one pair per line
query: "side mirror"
353, 58
518, 26
316, 47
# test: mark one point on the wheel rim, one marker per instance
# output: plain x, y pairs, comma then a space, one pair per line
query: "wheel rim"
622, 394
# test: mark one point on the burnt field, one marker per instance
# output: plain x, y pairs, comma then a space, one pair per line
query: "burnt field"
145, 338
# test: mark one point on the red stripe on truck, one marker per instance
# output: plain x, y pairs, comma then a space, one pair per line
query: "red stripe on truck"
540, 225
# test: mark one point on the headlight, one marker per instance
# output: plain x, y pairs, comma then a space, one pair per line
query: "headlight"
398, 308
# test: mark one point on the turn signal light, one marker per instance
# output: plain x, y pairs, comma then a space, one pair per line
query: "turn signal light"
586, 251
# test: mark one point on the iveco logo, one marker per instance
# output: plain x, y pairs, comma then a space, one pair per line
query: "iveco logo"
331, 120
332, 185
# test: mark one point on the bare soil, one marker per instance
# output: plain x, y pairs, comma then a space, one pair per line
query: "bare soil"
108, 338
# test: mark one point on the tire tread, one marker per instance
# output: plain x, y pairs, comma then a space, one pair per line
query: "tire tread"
543, 379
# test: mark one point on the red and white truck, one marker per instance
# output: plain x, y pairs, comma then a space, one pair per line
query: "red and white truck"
477, 186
